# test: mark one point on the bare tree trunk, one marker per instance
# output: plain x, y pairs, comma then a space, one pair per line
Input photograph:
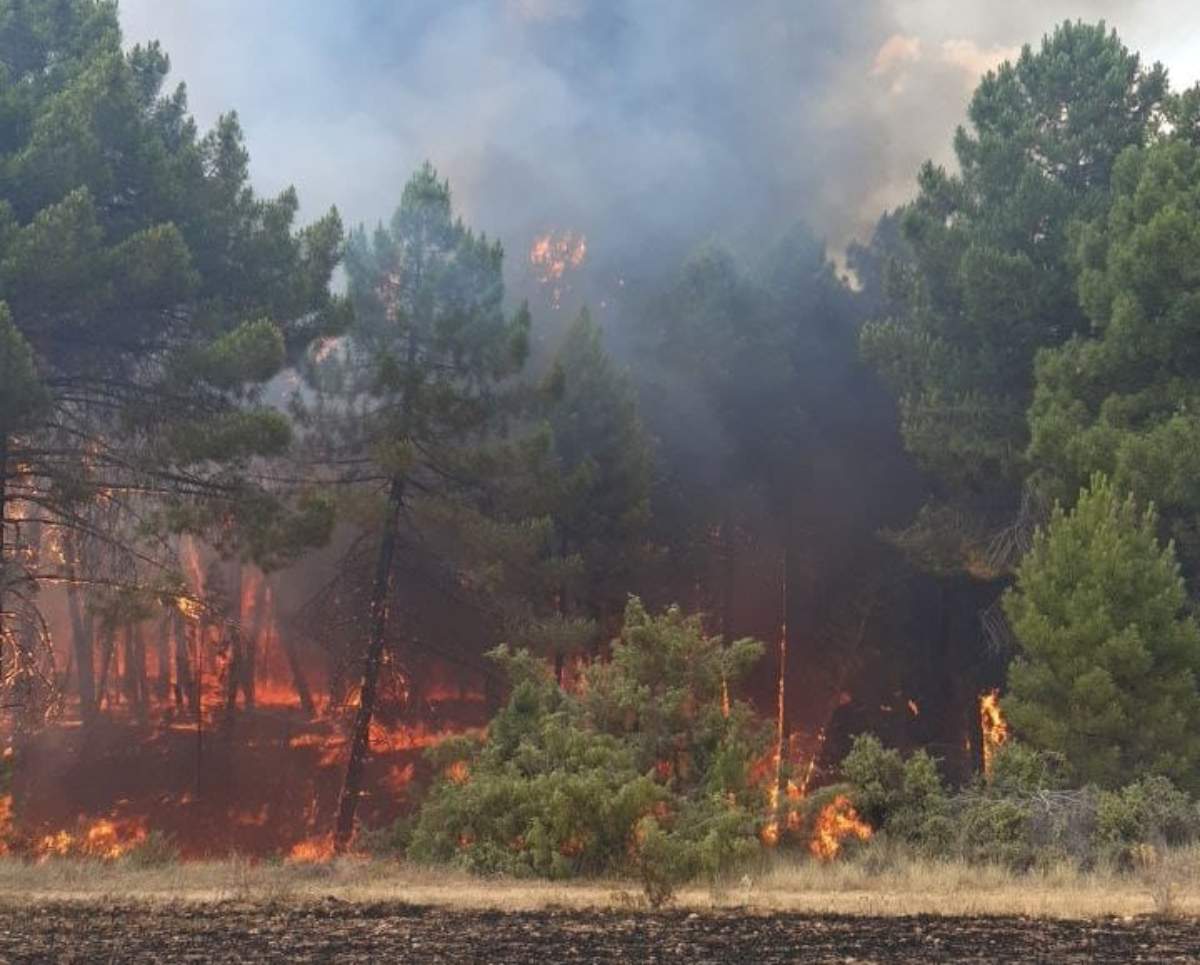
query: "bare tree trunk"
250, 645
162, 650
233, 668
183, 663
81, 633
3, 519
380, 598
299, 680
563, 604
135, 669
107, 645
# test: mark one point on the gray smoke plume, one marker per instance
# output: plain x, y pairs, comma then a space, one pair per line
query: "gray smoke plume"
644, 124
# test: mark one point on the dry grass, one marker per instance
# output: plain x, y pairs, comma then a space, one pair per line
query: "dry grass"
1167, 885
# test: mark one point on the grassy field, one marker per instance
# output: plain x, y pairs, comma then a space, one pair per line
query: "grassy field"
1168, 885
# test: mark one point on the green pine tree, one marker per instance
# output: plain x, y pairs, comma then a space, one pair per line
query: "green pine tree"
1109, 660
985, 278
599, 506
1124, 399
413, 399
149, 295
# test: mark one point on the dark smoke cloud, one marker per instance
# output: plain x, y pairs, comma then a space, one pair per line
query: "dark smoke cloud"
647, 124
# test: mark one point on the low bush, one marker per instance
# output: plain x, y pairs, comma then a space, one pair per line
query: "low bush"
642, 773
904, 798
1151, 811
1021, 816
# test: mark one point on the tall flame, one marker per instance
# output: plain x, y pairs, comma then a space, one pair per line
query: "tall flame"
837, 821
994, 728
770, 831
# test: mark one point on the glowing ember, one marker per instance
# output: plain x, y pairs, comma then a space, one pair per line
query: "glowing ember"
312, 850
5, 822
994, 728
553, 255
837, 821
189, 608
105, 838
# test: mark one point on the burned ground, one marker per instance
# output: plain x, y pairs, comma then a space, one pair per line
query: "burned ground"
353, 932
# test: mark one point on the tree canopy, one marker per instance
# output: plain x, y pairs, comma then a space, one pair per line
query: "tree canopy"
985, 275
1109, 657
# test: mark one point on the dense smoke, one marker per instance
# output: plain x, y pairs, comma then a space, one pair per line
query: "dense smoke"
648, 126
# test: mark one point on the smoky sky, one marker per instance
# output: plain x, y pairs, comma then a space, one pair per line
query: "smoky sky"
645, 124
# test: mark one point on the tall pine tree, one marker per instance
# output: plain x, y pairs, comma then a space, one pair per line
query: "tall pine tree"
413, 397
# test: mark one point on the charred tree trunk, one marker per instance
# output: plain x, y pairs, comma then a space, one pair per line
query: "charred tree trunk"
183, 664
250, 645
299, 680
81, 633
728, 573
380, 599
233, 668
3, 546
108, 642
162, 683
563, 605
135, 669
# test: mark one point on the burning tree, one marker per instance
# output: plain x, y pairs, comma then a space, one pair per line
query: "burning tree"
148, 296
410, 400
642, 766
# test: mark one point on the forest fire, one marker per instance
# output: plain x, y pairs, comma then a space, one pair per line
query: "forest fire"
993, 727
553, 256
836, 821
103, 838
554, 253
312, 850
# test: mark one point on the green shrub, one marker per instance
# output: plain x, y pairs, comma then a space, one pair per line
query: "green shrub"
642, 773
904, 798
1018, 768
876, 778
996, 830
1151, 811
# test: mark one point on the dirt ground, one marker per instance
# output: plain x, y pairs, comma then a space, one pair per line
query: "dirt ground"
331, 930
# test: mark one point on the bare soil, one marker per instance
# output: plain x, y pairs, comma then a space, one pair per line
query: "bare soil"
331, 930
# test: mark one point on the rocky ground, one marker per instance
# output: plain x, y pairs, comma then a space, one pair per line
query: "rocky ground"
354, 932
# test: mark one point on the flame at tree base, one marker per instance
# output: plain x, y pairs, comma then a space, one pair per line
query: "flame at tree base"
836, 822
993, 727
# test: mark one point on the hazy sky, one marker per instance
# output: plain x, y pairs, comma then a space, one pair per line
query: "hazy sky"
638, 122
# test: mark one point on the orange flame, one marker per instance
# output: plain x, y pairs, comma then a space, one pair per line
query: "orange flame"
994, 728
553, 255
837, 821
312, 850
105, 838
770, 831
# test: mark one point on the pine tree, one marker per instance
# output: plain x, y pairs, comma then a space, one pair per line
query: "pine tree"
600, 505
148, 297
413, 396
1124, 399
986, 278
1109, 661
